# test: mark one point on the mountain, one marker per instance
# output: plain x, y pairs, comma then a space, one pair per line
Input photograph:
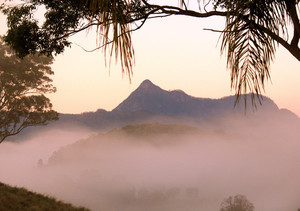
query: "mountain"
177, 103
152, 98
149, 103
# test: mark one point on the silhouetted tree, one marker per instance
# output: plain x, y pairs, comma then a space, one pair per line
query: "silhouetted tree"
253, 29
237, 203
23, 83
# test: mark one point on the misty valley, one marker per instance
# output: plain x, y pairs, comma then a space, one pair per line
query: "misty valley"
162, 150
158, 149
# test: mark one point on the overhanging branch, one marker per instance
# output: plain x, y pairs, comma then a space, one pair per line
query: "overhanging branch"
293, 49
172, 10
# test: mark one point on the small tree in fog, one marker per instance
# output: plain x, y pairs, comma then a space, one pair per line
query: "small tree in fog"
23, 83
237, 203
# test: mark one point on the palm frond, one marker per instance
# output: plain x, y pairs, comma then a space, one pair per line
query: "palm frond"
113, 26
249, 50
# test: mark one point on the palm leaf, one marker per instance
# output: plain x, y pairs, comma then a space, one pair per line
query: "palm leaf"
249, 50
113, 27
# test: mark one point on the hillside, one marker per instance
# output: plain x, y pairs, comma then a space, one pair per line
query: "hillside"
154, 134
20, 199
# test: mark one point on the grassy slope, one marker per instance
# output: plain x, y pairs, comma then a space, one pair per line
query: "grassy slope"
20, 199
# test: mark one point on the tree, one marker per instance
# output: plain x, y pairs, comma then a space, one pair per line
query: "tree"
236, 203
23, 83
253, 30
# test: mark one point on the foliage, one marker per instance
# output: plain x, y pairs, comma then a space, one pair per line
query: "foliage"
158, 129
252, 31
23, 83
236, 203
13, 198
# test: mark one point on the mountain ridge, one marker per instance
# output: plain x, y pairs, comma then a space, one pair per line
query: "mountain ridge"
149, 103
151, 97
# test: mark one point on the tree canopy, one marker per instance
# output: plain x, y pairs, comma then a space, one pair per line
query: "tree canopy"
23, 83
253, 30
237, 203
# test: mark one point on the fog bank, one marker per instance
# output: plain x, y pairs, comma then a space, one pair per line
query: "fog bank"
193, 170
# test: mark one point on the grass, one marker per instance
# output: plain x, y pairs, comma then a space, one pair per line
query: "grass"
20, 199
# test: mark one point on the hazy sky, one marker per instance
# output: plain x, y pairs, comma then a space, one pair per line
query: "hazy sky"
174, 53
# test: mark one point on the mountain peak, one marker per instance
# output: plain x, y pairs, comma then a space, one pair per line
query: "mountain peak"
147, 87
146, 84
150, 97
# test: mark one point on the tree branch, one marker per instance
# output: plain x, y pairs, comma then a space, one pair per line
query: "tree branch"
294, 50
292, 10
178, 11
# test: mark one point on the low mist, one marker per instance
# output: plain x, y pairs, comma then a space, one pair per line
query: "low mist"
193, 170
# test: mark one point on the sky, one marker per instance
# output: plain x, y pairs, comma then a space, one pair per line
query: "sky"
174, 53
